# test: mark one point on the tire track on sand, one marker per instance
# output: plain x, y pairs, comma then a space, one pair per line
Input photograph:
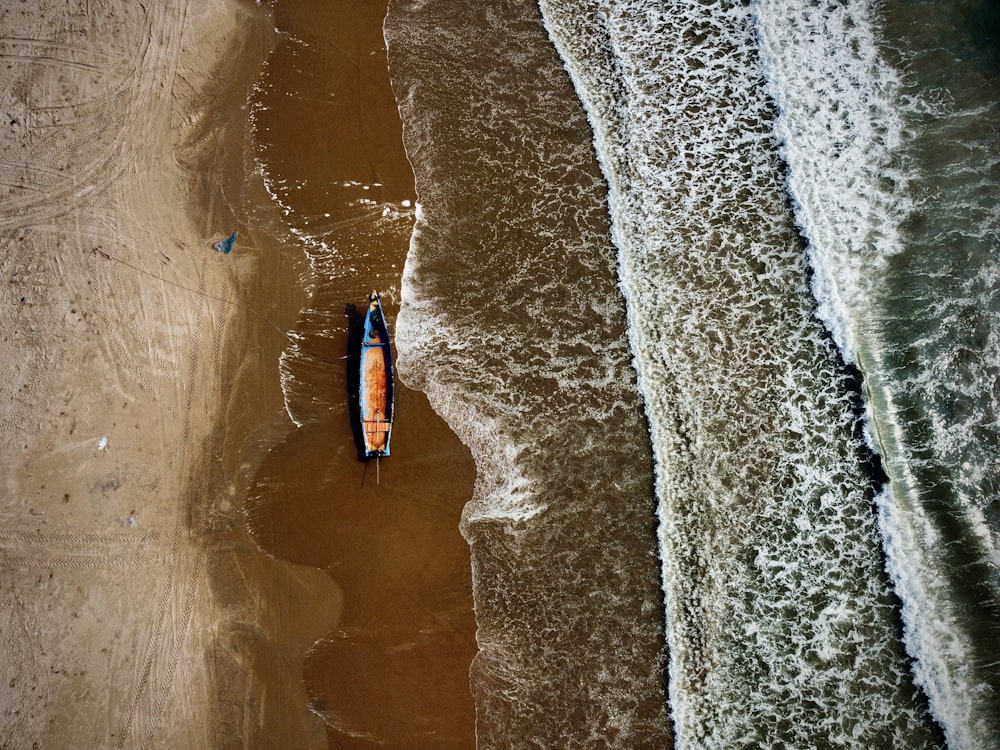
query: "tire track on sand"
165, 646
153, 645
101, 300
81, 538
180, 637
132, 113
191, 379
74, 562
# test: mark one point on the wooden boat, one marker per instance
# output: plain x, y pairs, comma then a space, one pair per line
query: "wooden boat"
375, 396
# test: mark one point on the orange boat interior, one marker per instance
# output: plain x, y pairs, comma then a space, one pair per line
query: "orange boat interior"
375, 419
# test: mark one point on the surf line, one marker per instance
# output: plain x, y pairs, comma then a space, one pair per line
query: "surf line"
98, 252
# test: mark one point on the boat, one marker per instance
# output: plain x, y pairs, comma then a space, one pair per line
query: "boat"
375, 390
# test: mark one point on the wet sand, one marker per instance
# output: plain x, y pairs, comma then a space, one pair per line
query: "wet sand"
171, 544
394, 670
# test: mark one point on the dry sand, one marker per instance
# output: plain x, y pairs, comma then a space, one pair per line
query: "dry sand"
134, 610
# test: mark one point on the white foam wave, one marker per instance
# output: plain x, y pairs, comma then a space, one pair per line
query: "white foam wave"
502, 491
840, 130
771, 569
843, 124
511, 324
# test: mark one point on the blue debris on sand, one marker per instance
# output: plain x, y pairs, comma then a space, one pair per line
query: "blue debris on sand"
226, 245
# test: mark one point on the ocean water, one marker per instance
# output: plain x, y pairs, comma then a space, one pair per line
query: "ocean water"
513, 324
710, 292
894, 150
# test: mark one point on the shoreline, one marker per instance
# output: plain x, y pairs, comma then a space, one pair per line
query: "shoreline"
393, 550
147, 605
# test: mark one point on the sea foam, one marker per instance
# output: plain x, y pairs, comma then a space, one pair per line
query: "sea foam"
772, 574
851, 129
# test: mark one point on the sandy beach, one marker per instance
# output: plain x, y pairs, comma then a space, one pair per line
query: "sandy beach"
182, 565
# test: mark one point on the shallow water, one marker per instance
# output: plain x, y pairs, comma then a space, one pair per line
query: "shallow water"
327, 143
